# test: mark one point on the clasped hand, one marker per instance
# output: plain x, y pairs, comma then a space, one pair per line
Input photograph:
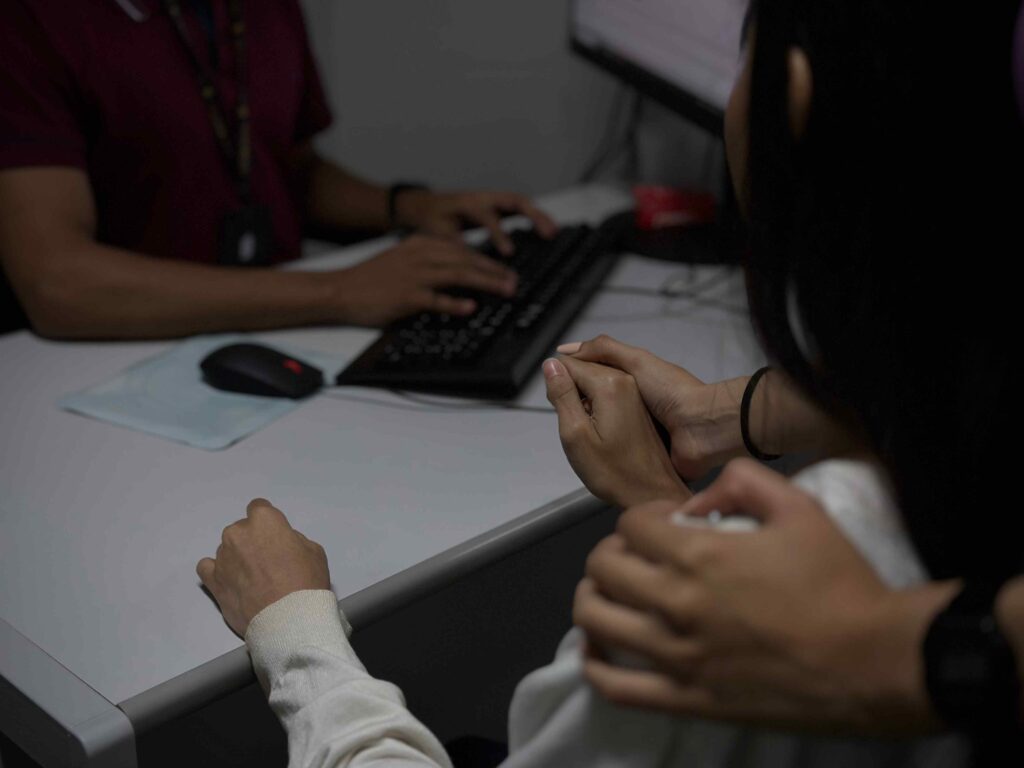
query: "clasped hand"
608, 435
701, 419
609, 395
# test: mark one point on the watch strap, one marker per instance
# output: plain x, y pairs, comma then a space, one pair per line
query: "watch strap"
745, 403
393, 193
970, 670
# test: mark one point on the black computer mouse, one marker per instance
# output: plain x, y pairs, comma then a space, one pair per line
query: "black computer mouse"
253, 369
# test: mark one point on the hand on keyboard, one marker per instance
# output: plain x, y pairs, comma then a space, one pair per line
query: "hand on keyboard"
443, 214
413, 277
438, 339
491, 351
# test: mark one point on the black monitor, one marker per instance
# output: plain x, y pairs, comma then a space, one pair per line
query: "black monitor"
683, 53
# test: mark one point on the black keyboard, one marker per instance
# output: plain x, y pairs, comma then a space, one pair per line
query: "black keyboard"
494, 351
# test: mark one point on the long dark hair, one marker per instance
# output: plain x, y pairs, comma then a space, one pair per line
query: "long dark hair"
911, 142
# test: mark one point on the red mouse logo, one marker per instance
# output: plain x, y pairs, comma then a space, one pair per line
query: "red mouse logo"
293, 366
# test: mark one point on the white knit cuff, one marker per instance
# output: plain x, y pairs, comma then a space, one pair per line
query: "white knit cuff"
309, 617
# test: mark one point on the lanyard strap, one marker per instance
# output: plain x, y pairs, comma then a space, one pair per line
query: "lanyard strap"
237, 152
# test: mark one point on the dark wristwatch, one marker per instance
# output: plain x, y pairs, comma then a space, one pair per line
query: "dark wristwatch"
393, 192
970, 669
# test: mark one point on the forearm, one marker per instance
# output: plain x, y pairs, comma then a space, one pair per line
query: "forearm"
781, 420
886, 678
334, 712
337, 199
94, 291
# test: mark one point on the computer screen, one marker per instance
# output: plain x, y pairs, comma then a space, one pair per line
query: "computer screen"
684, 53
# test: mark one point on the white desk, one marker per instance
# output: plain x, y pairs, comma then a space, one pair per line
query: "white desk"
103, 626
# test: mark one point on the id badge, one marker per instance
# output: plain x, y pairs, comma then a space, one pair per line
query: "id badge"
246, 238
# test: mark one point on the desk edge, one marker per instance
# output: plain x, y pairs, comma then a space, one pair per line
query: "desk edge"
54, 716
231, 671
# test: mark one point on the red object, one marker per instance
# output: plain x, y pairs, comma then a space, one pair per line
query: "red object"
294, 366
82, 85
661, 207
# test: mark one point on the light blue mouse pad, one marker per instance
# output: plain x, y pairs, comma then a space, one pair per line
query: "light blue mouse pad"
166, 396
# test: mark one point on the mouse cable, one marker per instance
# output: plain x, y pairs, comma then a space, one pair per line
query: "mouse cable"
660, 294
677, 283
485, 405
421, 404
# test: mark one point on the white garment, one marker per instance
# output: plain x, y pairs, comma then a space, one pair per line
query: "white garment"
336, 714
556, 719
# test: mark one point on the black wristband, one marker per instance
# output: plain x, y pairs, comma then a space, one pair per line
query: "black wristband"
970, 670
748, 396
393, 192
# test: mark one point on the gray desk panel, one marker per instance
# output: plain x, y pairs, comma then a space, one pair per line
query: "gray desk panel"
102, 526
55, 717
232, 670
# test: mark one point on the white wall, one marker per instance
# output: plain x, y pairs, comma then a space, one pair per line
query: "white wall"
475, 93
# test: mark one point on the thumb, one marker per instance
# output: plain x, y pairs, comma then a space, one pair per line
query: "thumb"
206, 571
564, 396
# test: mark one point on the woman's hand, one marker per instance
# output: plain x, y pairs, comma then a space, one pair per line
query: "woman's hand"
443, 214
785, 626
703, 420
608, 435
260, 560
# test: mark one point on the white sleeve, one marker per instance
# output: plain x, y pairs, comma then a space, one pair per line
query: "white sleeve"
334, 712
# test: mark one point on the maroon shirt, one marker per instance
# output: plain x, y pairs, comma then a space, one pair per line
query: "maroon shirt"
83, 85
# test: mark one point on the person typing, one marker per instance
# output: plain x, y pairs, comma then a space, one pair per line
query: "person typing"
148, 149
